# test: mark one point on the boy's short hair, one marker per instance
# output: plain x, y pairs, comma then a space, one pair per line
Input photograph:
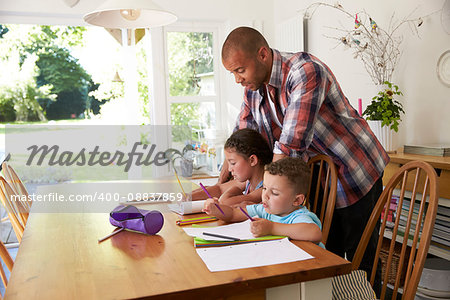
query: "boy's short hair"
296, 171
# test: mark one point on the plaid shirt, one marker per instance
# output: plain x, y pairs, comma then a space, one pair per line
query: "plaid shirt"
316, 118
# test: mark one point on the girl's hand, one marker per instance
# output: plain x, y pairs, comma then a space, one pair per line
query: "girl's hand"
261, 227
210, 207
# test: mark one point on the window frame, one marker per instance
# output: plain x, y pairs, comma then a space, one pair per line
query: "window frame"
216, 99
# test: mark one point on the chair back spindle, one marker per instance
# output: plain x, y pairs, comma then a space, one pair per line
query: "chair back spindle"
322, 191
412, 228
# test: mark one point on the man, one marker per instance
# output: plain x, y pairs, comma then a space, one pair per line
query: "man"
296, 103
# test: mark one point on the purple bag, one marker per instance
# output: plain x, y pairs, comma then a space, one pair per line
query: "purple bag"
130, 217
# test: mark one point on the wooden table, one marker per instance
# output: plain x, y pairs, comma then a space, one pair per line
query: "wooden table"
60, 258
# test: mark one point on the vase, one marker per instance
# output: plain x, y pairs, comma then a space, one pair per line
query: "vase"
383, 134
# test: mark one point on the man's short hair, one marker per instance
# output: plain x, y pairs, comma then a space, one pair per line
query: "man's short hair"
245, 39
295, 169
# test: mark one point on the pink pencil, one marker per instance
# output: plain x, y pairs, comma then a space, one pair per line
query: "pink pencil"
207, 194
250, 218
360, 106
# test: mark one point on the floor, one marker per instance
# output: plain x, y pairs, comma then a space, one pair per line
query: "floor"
13, 252
7, 235
9, 239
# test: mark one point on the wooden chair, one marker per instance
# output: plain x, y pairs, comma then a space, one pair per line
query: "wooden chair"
8, 261
323, 188
14, 181
418, 229
17, 211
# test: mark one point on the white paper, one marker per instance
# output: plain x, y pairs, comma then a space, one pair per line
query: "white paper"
239, 230
205, 181
188, 207
251, 255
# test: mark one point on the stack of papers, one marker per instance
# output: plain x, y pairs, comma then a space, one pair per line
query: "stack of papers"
188, 207
236, 230
430, 149
247, 252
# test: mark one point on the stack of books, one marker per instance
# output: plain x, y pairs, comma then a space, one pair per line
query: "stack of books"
391, 211
441, 233
430, 149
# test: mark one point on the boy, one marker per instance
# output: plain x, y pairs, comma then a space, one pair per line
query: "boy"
281, 211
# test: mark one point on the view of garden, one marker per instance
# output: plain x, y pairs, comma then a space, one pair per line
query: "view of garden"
65, 75
51, 73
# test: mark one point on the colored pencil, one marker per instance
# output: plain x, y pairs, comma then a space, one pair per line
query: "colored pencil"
221, 236
111, 234
195, 220
179, 182
245, 213
209, 195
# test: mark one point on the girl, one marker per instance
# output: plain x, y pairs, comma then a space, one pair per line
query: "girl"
246, 152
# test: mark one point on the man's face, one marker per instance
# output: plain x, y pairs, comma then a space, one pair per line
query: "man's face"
248, 70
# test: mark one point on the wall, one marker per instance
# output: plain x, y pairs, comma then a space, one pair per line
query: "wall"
426, 100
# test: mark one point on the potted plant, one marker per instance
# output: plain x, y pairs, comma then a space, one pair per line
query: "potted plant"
186, 156
383, 115
385, 108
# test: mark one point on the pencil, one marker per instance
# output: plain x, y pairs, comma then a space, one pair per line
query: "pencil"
198, 218
111, 234
245, 213
195, 220
179, 182
221, 236
209, 195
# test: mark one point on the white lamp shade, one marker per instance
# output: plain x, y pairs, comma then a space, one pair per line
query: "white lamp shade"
109, 15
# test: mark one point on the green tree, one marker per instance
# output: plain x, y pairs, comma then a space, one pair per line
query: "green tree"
190, 54
19, 94
143, 81
56, 66
69, 80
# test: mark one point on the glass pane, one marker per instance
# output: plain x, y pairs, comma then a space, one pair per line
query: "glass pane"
191, 67
199, 116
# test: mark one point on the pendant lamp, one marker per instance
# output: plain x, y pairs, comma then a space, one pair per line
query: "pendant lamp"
129, 14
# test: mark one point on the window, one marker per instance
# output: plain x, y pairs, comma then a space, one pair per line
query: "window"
192, 80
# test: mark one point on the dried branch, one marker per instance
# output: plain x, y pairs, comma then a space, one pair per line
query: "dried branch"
377, 48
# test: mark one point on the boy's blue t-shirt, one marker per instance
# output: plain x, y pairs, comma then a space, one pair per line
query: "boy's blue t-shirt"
301, 215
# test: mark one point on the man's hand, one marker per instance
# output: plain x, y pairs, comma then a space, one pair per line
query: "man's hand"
261, 227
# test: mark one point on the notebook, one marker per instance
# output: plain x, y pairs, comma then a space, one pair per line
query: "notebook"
239, 231
188, 207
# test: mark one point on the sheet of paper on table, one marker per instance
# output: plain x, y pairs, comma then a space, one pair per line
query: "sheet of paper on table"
239, 230
251, 255
205, 181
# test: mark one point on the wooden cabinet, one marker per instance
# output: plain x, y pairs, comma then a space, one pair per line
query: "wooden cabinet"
442, 167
